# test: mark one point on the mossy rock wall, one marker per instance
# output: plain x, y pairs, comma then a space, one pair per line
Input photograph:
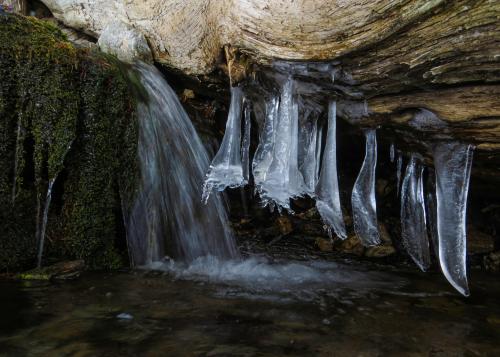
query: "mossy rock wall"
67, 116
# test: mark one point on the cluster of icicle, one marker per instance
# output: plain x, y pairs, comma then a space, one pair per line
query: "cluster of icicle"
291, 161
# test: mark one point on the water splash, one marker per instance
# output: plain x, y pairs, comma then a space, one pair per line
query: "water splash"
328, 201
226, 169
452, 162
364, 205
173, 161
413, 220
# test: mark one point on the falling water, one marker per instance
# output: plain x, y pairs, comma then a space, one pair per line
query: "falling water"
413, 221
226, 168
172, 163
452, 162
364, 205
43, 225
328, 201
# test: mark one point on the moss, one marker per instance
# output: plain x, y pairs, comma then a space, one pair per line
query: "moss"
66, 115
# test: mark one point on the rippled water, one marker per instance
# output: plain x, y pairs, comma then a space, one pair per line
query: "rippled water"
256, 307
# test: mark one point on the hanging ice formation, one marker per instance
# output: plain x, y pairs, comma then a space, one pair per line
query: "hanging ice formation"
173, 160
392, 153
309, 152
264, 152
452, 162
413, 220
364, 205
328, 198
281, 180
245, 144
399, 165
226, 169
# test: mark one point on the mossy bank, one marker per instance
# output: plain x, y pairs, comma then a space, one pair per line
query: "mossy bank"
67, 117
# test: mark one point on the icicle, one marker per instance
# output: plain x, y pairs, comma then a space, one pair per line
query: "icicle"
452, 161
319, 144
264, 154
328, 202
226, 169
431, 211
245, 143
392, 152
413, 221
399, 170
308, 164
43, 226
283, 179
364, 205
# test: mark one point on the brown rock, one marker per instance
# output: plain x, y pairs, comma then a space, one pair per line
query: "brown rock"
380, 251
325, 245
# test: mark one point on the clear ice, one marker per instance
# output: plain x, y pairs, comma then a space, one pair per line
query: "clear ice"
264, 153
328, 198
245, 143
364, 205
226, 169
452, 162
308, 154
413, 220
283, 179
392, 152
399, 165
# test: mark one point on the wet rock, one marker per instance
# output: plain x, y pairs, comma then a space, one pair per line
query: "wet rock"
351, 245
284, 224
60, 271
325, 245
380, 251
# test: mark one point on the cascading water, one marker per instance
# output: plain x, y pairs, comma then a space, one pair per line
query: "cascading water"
328, 201
173, 162
364, 204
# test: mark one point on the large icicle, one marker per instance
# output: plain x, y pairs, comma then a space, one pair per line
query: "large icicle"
245, 143
328, 201
413, 221
452, 161
364, 205
399, 170
283, 179
226, 169
264, 154
308, 165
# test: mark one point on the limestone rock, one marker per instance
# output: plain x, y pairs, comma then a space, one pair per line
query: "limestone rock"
124, 42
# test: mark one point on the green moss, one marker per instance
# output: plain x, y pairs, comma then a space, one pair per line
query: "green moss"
65, 115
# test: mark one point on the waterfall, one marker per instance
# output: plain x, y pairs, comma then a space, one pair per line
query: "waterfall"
364, 204
328, 201
168, 214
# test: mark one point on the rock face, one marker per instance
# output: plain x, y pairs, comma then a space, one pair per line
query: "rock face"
442, 54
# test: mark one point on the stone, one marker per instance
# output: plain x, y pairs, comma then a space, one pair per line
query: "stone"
125, 42
479, 242
324, 245
380, 251
351, 245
